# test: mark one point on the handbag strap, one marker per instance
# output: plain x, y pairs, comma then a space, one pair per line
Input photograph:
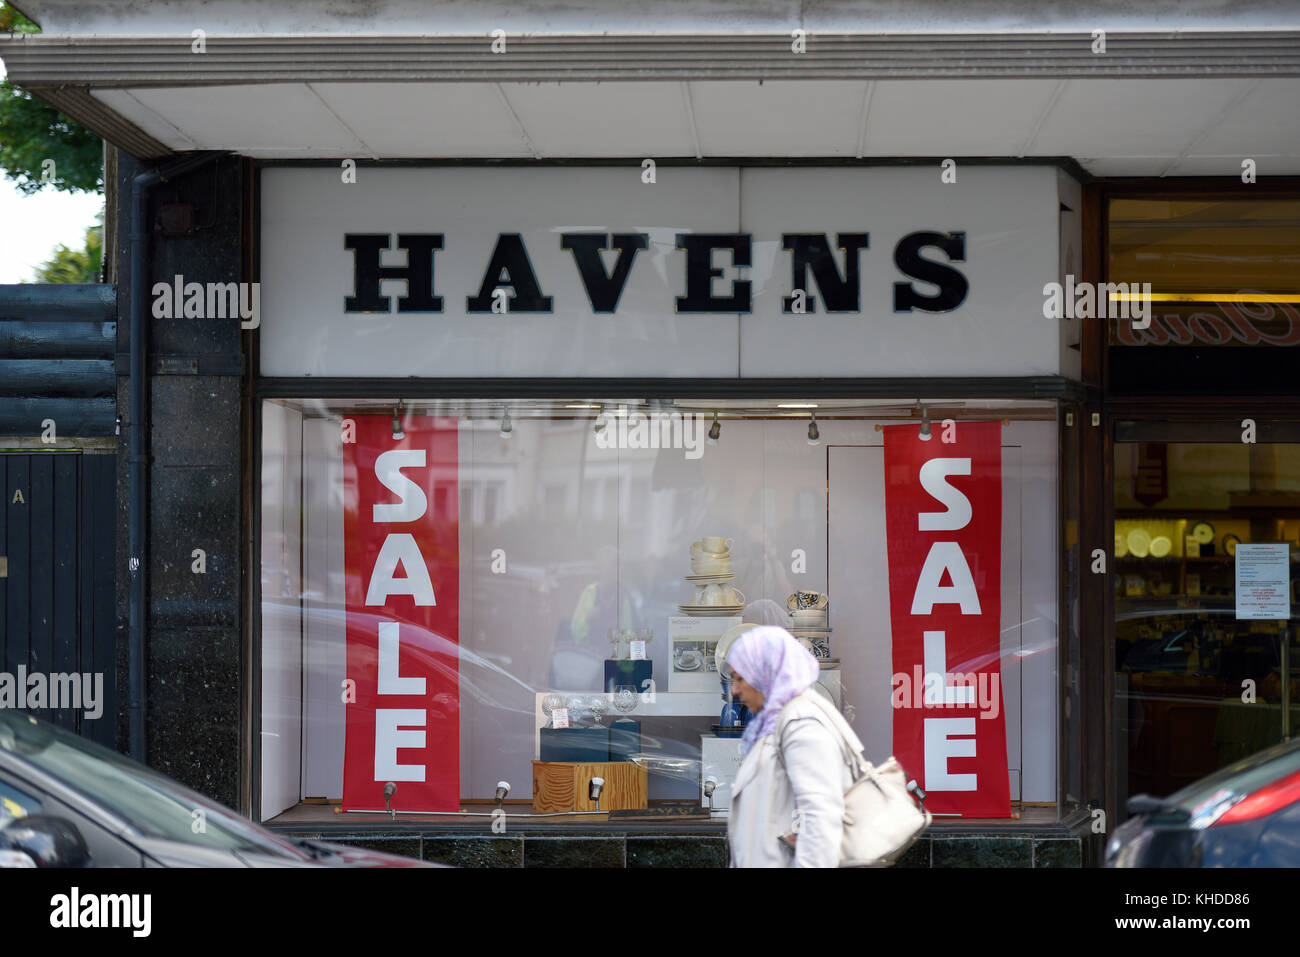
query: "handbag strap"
857, 761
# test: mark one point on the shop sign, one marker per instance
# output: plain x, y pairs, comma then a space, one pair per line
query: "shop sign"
1233, 324
943, 519
709, 272
401, 690
1150, 473
510, 284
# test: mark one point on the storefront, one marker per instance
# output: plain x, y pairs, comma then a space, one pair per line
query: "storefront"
499, 311
567, 376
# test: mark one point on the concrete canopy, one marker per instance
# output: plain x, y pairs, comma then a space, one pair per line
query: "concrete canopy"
1176, 91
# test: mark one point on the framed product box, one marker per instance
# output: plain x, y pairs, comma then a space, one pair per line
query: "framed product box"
691, 643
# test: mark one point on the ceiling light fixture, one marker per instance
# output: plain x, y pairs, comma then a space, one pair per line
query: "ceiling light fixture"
814, 433
925, 423
715, 430
398, 433
506, 425
796, 405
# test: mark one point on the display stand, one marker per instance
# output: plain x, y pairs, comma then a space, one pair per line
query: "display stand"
565, 786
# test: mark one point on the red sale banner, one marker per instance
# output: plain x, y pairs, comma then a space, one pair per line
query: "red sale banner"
401, 548
943, 519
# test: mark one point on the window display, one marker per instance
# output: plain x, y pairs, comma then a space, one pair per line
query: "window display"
460, 593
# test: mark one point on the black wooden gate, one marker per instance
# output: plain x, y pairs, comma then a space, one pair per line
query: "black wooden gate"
57, 588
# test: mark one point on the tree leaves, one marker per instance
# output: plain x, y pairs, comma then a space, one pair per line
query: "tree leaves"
32, 132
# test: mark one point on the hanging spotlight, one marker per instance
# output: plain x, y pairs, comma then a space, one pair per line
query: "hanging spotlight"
600, 420
814, 433
503, 788
714, 430
506, 425
397, 422
925, 424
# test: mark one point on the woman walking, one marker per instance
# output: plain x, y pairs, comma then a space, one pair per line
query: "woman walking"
787, 801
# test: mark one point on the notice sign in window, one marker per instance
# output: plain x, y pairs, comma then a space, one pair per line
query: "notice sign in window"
1264, 581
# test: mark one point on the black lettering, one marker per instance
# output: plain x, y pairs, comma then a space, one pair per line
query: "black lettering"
952, 284
700, 272
811, 250
510, 267
603, 290
417, 273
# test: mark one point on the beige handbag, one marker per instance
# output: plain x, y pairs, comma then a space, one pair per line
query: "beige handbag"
884, 813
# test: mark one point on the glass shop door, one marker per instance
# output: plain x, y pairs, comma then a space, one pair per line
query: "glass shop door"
1198, 684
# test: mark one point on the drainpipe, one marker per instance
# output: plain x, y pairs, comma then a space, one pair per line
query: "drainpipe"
138, 442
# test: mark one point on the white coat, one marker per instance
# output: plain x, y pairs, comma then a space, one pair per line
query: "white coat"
767, 793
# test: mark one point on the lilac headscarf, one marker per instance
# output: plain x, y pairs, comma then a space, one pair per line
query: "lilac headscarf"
770, 659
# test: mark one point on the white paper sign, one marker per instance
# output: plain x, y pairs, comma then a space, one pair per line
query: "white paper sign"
638, 651
560, 717
1263, 581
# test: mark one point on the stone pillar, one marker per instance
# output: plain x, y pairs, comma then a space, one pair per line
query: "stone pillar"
195, 375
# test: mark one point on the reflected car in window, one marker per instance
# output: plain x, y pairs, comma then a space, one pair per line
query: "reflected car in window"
1244, 815
67, 802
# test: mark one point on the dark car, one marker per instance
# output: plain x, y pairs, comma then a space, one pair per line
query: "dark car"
1244, 815
67, 802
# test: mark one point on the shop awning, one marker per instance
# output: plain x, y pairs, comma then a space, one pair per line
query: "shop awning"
703, 80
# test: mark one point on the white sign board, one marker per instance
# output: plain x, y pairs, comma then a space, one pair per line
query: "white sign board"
707, 272
692, 642
1263, 581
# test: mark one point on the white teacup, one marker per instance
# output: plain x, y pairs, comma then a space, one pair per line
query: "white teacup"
699, 551
714, 543
722, 595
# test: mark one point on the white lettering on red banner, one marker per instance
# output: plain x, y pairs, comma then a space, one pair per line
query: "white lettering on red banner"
943, 519
403, 581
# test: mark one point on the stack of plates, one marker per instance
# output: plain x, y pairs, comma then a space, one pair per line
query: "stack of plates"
710, 611
719, 573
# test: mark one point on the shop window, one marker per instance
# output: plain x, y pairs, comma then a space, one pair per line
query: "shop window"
1203, 675
533, 577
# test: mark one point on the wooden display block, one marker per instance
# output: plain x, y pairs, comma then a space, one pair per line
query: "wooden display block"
563, 786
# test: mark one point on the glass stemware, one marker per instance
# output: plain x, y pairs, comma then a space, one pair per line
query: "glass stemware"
625, 699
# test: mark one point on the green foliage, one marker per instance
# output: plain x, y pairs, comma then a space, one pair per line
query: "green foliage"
11, 21
32, 132
75, 265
